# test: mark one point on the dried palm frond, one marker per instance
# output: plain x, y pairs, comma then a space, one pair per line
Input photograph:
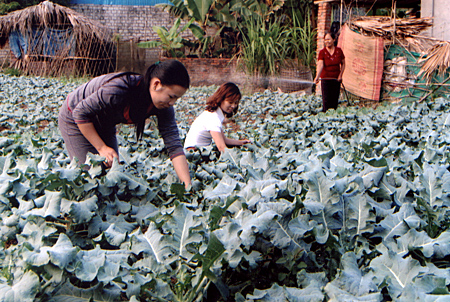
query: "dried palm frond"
418, 44
437, 59
386, 27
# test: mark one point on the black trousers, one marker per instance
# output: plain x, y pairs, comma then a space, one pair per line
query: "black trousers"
330, 93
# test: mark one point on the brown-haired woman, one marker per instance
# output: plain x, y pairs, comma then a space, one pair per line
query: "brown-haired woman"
330, 68
208, 125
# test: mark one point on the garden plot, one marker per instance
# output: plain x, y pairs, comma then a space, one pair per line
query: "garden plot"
352, 205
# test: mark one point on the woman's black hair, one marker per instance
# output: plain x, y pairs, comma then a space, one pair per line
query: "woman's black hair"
169, 72
332, 34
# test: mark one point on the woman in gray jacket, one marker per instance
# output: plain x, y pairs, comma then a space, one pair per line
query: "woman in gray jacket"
88, 117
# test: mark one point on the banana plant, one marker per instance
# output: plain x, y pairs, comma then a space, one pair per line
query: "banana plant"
204, 12
170, 40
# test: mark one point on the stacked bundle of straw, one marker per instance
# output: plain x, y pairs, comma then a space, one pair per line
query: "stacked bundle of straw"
386, 27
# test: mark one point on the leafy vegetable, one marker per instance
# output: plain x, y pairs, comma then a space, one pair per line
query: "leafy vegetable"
351, 205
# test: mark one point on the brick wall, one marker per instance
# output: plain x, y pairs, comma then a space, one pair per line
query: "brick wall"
214, 71
323, 25
128, 21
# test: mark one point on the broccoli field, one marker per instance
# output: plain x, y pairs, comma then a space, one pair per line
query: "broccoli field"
351, 205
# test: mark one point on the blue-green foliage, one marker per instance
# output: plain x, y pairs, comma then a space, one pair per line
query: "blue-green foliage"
351, 205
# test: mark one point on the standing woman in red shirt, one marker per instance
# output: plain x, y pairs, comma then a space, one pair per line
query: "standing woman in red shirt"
330, 67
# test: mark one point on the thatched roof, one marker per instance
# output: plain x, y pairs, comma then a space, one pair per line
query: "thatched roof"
62, 42
48, 14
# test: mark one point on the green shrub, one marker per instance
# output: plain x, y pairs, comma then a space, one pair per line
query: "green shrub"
12, 71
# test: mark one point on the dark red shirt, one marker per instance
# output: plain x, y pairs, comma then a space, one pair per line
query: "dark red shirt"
331, 63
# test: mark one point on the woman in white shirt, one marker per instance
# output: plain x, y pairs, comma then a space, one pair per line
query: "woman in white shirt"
208, 125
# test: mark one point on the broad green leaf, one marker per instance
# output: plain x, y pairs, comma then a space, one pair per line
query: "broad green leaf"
199, 9
186, 228
70, 293
397, 272
223, 190
372, 176
55, 273
144, 212
359, 217
351, 283
231, 157
135, 282
432, 284
320, 192
51, 205
45, 161
278, 293
149, 44
117, 177
398, 224
83, 211
87, 263
302, 224
249, 160
161, 291
110, 270
5, 142
229, 236
252, 224
37, 257
420, 240
197, 31
414, 293
283, 237
70, 173
305, 279
156, 244
113, 235
430, 187
63, 252
24, 289
336, 295
148, 264
217, 212
35, 232
162, 34
213, 252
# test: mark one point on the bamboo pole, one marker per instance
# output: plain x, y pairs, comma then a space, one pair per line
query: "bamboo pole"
434, 90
